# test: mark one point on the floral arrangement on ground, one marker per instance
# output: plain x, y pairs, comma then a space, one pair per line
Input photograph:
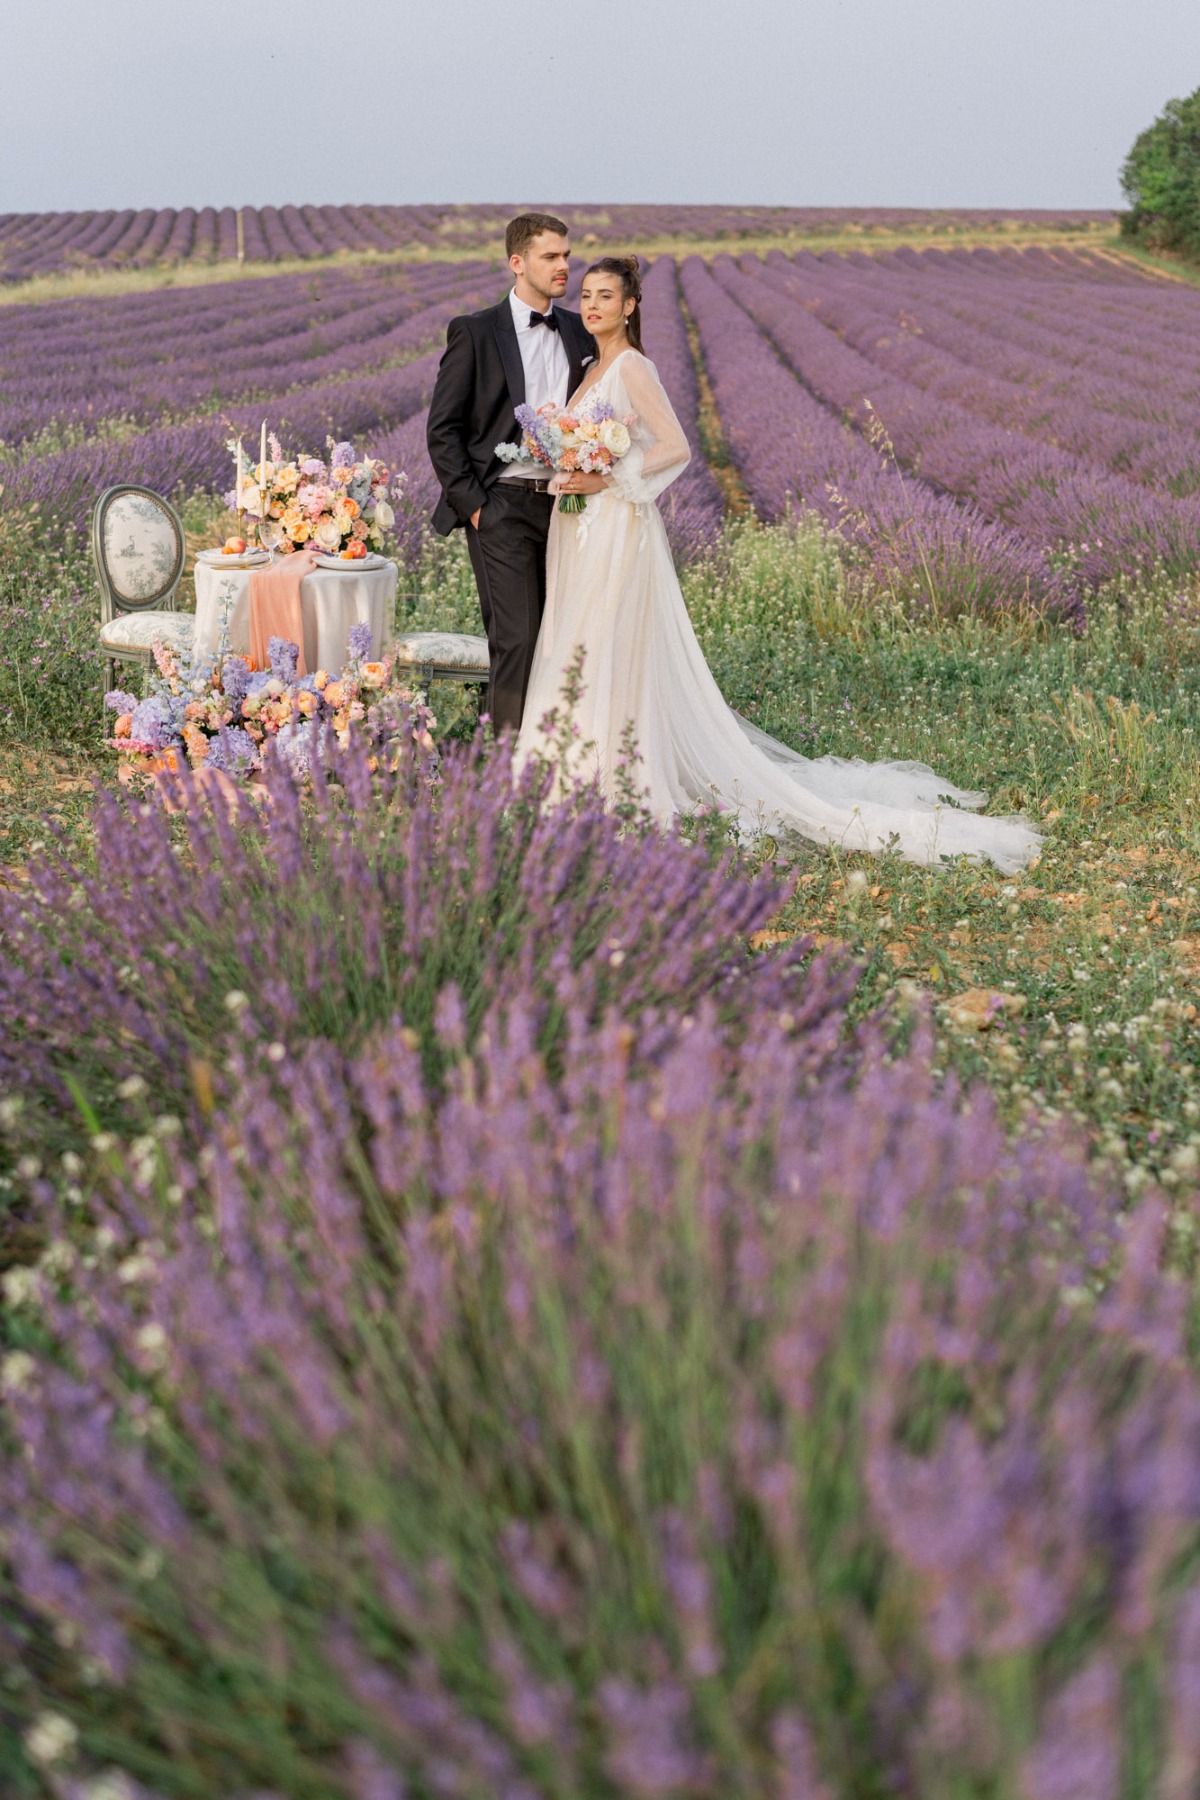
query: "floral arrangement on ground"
221, 713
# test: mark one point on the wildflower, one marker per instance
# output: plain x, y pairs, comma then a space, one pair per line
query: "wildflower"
51, 1737
16, 1370
20, 1286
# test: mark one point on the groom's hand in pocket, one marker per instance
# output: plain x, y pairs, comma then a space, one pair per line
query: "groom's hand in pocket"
475, 518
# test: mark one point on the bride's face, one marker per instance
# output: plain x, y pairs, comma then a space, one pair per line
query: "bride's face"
603, 304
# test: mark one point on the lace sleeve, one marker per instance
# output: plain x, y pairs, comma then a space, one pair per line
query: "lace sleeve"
659, 452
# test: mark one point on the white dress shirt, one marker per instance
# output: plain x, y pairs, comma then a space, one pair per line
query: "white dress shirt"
547, 374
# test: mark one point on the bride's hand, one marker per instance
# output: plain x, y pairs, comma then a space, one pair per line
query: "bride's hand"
580, 484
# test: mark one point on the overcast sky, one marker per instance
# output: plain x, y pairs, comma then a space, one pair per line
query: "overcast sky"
111, 103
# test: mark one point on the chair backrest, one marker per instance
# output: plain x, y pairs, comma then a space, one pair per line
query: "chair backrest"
137, 541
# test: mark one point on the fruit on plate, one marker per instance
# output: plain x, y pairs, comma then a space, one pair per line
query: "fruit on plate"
354, 551
233, 546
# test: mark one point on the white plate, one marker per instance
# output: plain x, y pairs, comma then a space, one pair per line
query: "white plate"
244, 559
343, 563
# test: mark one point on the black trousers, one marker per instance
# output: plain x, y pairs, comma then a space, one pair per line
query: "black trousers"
508, 555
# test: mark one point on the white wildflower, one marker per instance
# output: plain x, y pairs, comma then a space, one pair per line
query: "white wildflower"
16, 1371
132, 1088
20, 1286
50, 1738
138, 1267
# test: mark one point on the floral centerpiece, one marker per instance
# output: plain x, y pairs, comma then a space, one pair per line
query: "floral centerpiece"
581, 440
342, 506
220, 714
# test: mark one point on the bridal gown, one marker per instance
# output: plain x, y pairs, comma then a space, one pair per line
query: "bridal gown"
612, 591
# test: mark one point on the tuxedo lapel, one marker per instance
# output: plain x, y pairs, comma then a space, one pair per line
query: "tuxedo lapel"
510, 352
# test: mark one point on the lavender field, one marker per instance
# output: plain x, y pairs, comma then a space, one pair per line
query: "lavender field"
986, 427
34, 244
502, 1302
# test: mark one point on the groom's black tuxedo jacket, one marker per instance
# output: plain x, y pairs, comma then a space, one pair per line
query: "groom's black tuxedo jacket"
480, 383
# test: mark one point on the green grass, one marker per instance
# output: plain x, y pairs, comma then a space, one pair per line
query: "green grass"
1095, 738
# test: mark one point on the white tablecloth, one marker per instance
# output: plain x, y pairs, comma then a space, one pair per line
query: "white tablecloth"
330, 603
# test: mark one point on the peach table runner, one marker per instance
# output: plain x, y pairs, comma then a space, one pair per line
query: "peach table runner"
275, 609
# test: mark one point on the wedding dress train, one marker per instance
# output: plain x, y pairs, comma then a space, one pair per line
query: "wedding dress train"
612, 593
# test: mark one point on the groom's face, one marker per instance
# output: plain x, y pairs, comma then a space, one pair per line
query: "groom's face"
544, 267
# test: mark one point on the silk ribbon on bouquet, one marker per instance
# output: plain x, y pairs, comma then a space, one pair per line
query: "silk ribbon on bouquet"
275, 609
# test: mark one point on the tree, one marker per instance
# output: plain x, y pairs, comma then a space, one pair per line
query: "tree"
1161, 181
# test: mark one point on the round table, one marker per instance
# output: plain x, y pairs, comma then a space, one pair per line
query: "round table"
330, 603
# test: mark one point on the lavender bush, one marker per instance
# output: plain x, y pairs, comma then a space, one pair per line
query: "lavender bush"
328, 918
497, 1337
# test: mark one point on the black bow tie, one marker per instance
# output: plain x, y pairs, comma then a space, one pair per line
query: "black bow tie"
546, 318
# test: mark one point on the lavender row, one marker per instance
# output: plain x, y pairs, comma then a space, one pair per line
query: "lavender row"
693, 506
33, 243
191, 457
1052, 499
225, 356
922, 546
945, 339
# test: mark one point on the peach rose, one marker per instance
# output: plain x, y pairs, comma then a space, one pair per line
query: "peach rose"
124, 725
333, 694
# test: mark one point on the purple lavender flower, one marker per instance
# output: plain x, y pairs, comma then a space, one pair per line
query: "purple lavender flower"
358, 645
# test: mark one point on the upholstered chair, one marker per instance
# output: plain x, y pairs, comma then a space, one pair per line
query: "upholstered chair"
137, 543
442, 656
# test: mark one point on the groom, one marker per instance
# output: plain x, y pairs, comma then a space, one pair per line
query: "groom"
528, 348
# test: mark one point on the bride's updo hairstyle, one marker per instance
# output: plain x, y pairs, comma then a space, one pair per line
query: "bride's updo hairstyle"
627, 269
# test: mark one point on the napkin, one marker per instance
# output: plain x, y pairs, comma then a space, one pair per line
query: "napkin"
275, 609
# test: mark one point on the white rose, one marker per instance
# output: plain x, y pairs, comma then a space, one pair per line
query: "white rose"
385, 518
615, 437
327, 536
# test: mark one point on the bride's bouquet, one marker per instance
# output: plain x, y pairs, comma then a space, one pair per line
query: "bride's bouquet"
580, 440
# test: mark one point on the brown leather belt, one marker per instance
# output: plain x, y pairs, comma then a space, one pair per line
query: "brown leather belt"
538, 484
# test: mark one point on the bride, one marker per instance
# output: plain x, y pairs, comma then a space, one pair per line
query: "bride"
612, 594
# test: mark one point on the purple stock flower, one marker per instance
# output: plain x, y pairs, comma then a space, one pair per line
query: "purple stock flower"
235, 680
283, 656
358, 646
